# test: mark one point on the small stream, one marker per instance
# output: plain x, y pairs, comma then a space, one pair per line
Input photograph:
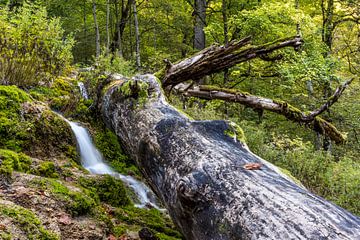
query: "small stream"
93, 161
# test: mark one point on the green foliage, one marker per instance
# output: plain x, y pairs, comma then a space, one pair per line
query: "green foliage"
34, 49
114, 64
27, 222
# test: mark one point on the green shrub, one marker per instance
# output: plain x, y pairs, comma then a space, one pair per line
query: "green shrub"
114, 64
34, 49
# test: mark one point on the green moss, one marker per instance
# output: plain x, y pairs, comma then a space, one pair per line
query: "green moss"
46, 169
135, 89
27, 222
11, 161
5, 236
226, 90
288, 173
77, 203
109, 190
107, 142
324, 127
236, 132
12, 126
153, 219
160, 74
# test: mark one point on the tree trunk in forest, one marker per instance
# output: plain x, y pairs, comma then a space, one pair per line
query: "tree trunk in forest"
200, 23
327, 8
107, 26
97, 32
200, 171
137, 37
117, 44
121, 23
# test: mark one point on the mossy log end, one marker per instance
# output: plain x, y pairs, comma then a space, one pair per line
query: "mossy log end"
311, 120
199, 173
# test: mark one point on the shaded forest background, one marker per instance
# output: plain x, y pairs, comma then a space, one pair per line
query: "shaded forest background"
47, 39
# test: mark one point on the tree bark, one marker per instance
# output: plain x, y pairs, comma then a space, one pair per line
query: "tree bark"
217, 58
107, 25
198, 169
97, 32
121, 23
137, 37
200, 23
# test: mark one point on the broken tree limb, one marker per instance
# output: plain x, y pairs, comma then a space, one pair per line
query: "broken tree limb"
310, 120
217, 58
333, 99
200, 171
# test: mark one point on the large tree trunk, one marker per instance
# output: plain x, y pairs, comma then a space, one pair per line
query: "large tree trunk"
200, 23
197, 168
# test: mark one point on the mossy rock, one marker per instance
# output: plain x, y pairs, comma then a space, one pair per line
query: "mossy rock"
150, 218
77, 203
108, 189
27, 222
46, 169
107, 142
235, 132
10, 161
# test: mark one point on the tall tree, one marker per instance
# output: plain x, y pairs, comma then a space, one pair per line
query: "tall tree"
121, 23
97, 31
200, 23
137, 36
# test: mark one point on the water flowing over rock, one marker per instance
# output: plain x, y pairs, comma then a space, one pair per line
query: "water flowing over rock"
83, 90
201, 174
93, 161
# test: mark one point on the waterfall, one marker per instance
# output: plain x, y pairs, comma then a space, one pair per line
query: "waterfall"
93, 161
83, 91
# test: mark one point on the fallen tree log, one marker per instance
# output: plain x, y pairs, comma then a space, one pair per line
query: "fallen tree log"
217, 58
200, 171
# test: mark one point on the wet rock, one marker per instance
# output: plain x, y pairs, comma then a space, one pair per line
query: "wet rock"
147, 234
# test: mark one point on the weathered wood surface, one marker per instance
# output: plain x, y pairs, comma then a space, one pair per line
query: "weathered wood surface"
198, 172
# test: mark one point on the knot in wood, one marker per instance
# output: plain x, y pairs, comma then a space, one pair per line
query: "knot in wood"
185, 188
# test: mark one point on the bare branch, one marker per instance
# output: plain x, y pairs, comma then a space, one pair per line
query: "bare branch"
312, 120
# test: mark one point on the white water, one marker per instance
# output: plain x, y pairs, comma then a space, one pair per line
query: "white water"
93, 161
83, 91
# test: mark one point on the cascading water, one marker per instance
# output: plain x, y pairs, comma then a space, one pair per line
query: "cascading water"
83, 91
93, 161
